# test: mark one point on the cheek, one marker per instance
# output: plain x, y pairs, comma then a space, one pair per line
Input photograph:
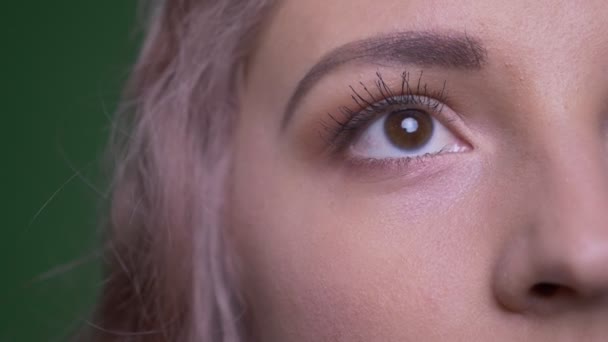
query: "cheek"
325, 258
321, 265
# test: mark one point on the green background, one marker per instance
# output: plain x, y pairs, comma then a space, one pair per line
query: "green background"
63, 63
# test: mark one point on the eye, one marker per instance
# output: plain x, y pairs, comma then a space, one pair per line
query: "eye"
405, 133
400, 123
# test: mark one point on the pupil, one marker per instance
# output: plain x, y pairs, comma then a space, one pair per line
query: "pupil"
409, 129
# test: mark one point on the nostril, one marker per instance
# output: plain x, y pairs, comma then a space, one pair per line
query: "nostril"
550, 290
545, 290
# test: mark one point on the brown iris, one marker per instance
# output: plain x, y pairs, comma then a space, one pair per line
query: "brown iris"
409, 129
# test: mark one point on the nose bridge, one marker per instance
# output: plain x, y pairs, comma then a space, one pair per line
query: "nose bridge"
574, 177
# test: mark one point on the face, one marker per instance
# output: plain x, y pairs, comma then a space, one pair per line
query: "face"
425, 171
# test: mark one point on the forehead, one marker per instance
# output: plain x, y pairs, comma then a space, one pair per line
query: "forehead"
301, 32
330, 20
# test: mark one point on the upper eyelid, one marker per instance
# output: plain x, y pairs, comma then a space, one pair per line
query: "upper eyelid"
419, 91
411, 100
446, 49
413, 95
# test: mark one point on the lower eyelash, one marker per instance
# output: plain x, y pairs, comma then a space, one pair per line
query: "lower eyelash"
341, 131
409, 165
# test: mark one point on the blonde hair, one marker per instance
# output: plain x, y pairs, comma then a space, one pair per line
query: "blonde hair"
168, 276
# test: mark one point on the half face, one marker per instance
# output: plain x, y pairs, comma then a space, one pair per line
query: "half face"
425, 170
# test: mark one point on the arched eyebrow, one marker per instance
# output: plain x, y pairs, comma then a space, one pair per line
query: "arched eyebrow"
423, 48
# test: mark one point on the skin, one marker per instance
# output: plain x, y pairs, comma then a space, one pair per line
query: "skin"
457, 247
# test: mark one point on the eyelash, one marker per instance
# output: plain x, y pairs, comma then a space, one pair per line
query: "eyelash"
342, 132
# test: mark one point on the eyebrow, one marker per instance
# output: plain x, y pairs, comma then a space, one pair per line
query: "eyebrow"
441, 49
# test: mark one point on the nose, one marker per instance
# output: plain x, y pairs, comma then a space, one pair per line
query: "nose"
558, 261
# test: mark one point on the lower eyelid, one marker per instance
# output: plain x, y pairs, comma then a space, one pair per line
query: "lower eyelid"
411, 171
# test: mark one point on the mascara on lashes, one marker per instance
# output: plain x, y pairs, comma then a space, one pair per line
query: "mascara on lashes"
340, 132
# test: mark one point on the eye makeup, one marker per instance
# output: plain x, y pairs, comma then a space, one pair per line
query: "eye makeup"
411, 102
